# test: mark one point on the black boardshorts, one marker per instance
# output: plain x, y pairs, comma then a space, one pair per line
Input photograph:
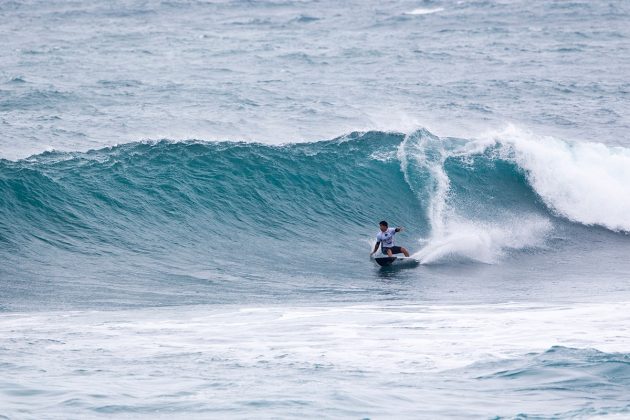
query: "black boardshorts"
395, 250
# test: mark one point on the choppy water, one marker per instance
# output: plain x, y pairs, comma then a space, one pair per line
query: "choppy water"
189, 192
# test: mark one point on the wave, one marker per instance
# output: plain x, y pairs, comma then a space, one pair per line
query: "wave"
566, 372
591, 363
459, 198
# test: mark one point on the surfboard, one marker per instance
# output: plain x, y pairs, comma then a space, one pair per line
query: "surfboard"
396, 261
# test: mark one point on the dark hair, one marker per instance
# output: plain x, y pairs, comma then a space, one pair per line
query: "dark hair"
383, 223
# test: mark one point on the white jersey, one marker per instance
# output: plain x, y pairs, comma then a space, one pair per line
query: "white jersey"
386, 238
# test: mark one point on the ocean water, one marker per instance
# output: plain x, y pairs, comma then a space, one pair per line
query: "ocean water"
189, 192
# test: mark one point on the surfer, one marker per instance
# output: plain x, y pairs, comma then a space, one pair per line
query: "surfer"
385, 239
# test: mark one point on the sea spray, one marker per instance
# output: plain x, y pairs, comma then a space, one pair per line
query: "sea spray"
475, 227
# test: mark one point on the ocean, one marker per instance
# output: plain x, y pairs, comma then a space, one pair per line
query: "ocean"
190, 191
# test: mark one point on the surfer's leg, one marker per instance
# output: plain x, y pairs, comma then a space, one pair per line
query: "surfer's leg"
389, 252
404, 251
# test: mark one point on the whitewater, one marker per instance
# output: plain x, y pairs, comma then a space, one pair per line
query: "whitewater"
189, 192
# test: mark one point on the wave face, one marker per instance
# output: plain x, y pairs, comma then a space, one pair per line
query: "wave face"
196, 210
153, 197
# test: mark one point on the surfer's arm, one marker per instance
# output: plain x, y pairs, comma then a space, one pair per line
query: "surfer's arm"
399, 229
375, 247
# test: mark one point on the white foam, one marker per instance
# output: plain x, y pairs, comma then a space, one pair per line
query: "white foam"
347, 337
383, 156
334, 358
424, 11
586, 182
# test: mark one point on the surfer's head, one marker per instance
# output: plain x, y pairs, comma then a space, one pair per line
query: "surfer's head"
383, 225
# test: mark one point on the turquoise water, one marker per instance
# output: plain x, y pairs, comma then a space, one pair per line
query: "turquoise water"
189, 193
